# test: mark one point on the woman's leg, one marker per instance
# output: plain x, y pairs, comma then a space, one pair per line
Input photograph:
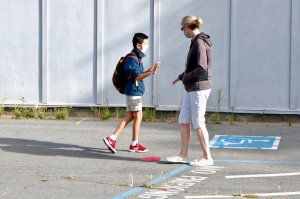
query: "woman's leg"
203, 138
185, 139
185, 125
198, 104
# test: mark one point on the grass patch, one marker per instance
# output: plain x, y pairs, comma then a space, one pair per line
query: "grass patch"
40, 112
216, 118
1, 109
145, 185
105, 113
230, 118
250, 196
30, 112
62, 113
24, 113
149, 115
102, 113
119, 112
97, 112
174, 119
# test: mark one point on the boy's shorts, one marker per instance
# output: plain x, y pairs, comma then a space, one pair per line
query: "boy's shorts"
134, 103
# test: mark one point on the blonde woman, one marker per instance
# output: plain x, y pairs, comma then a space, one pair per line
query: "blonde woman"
197, 82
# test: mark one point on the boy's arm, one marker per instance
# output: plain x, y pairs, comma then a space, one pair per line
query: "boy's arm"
148, 72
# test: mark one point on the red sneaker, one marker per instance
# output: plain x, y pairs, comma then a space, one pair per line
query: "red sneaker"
138, 148
111, 144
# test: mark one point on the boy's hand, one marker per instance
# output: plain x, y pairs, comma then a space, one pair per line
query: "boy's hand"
155, 66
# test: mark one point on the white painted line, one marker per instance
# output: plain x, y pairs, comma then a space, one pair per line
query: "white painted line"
207, 196
244, 195
263, 175
278, 194
79, 121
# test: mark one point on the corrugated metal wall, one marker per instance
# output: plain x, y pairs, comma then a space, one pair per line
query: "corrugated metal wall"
64, 52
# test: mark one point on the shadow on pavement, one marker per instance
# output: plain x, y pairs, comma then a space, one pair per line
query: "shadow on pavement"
43, 148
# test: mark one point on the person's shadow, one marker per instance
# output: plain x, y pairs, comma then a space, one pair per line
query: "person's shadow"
43, 148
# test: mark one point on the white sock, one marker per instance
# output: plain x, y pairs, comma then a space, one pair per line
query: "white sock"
134, 143
113, 137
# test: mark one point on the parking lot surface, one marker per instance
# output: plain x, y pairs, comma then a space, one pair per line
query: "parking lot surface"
68, 159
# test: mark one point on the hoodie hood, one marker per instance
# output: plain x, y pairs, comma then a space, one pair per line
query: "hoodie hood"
205, 38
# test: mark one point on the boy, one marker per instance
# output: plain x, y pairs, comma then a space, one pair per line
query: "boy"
134, 91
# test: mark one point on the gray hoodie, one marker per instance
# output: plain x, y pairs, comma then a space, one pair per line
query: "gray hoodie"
197, 74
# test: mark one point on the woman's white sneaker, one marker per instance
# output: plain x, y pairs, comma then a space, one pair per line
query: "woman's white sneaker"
176, 159
202, 162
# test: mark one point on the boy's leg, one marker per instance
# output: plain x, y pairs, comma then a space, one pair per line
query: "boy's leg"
135, 145
124, 123
110, 141
137, 119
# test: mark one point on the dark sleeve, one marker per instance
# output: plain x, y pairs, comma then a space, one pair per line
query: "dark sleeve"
180, 77
201, 62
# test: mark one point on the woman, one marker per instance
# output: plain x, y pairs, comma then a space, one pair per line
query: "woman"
197, 82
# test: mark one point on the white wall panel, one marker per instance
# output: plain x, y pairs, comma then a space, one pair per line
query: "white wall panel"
61, 52
122, 19
263, 54
70, 51
19, 51
174, 47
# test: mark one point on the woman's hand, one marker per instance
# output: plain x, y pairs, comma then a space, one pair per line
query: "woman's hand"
175, 81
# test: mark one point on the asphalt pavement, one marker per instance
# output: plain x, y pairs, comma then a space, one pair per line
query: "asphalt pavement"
53, 159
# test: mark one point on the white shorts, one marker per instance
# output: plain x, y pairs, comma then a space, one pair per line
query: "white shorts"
134, 103
193, 108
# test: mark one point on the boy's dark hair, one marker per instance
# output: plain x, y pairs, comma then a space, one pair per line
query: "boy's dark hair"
138, 38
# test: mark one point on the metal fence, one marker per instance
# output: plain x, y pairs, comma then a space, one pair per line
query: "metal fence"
62, 52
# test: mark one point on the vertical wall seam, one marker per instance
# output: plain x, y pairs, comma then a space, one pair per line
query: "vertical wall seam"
99, 52
95, 52
44, 51
156, 49
40, 51
233, 54
294, 54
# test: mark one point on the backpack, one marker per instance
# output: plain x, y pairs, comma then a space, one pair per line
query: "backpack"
119, 79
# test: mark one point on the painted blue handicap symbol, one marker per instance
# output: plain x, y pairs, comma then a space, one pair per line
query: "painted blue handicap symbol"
245, 142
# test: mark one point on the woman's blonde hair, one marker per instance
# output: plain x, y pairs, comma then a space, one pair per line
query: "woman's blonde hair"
192, 22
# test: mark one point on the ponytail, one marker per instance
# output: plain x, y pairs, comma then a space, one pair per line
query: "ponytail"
192, 22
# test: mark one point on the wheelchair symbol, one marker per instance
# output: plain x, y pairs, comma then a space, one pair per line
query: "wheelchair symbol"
233, 141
